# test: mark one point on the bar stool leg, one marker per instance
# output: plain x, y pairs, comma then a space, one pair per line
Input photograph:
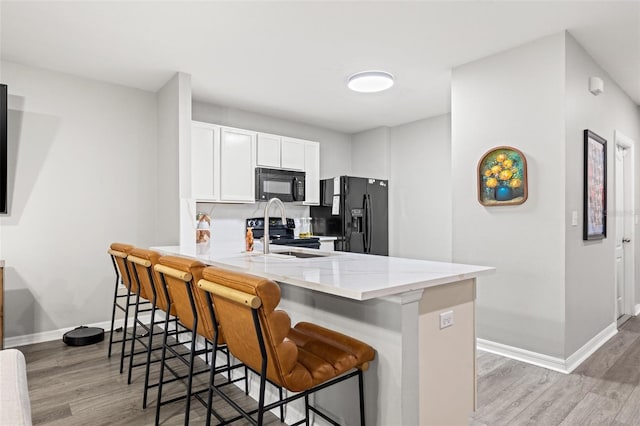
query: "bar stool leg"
306, 410
149, 348
133, 336
124, 331
115, 301
361, 390
190, 380
211, 379
162, 361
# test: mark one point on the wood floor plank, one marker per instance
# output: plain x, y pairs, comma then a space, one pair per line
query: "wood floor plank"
633, 325
594, 409
514, 398
554, 405
625, 369
486, 362
45, 415
604, 358
492, 384
629, 414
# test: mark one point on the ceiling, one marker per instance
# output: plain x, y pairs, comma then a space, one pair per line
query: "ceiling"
292, 59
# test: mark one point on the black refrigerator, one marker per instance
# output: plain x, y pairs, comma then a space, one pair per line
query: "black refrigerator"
355, 210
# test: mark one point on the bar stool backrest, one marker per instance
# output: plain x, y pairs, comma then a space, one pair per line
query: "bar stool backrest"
142, 262
119, 252
178, 271
235, 317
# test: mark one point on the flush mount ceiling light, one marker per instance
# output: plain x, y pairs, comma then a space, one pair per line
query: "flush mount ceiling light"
370, 81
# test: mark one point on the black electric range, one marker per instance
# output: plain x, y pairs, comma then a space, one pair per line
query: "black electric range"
281, 234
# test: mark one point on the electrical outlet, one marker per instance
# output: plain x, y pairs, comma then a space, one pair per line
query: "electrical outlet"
446, 319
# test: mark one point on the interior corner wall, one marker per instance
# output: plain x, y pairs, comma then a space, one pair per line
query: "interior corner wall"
335, 147
370, 153
590, 265
513, 98
420, 209
174, 125
82, 167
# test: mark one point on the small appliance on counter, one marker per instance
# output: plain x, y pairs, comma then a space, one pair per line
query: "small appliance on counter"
279, 233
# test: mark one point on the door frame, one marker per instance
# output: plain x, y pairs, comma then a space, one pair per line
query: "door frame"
630, 306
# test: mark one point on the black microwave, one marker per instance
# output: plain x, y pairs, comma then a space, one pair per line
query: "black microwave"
286, 185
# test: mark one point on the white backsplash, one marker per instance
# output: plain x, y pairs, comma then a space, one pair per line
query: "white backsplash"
228, 220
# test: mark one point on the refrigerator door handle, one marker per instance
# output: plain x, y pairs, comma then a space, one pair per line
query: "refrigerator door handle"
369, 222
365, 218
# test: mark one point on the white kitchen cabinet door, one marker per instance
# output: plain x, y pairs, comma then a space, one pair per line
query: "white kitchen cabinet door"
292, 153
205, 146
268, 150
237, 165
312, 173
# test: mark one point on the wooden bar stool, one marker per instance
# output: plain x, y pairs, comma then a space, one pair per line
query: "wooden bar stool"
119, 253
142, 262
195, 313
303, 359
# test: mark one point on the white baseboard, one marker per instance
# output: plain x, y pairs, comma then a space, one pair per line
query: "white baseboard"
636, 310
591, 346
47, 336
565, 366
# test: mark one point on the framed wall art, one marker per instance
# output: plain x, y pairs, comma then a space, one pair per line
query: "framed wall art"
595, 187
502, 177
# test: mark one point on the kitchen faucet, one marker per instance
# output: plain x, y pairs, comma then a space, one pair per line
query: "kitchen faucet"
266, 220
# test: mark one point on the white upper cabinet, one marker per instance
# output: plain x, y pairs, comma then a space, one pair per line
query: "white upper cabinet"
268, 150
292, 153
205, 149
223, 162
312, 173
280, 152
237, 165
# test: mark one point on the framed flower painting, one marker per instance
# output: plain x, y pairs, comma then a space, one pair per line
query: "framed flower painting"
502, 177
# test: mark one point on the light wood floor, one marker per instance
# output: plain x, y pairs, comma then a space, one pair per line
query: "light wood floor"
71, 386
604, 390
81, 386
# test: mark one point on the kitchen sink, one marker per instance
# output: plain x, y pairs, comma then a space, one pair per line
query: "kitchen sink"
301, 254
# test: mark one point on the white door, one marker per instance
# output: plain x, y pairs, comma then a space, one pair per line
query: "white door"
624, 232
620, 234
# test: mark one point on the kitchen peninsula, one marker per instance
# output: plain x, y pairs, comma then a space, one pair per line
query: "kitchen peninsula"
423, 373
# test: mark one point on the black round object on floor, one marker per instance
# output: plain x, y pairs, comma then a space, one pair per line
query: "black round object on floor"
82, 335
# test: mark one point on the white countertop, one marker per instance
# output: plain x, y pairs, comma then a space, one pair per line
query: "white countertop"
350, 275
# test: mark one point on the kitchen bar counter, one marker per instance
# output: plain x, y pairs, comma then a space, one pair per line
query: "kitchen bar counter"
423, 374
350, 275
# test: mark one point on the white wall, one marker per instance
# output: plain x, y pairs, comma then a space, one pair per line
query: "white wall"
335, 147
370, 153
420, 189
82, 167
514, 98
590, 267
173, 184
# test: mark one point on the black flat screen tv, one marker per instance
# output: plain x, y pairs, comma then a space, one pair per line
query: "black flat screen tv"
3, 147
